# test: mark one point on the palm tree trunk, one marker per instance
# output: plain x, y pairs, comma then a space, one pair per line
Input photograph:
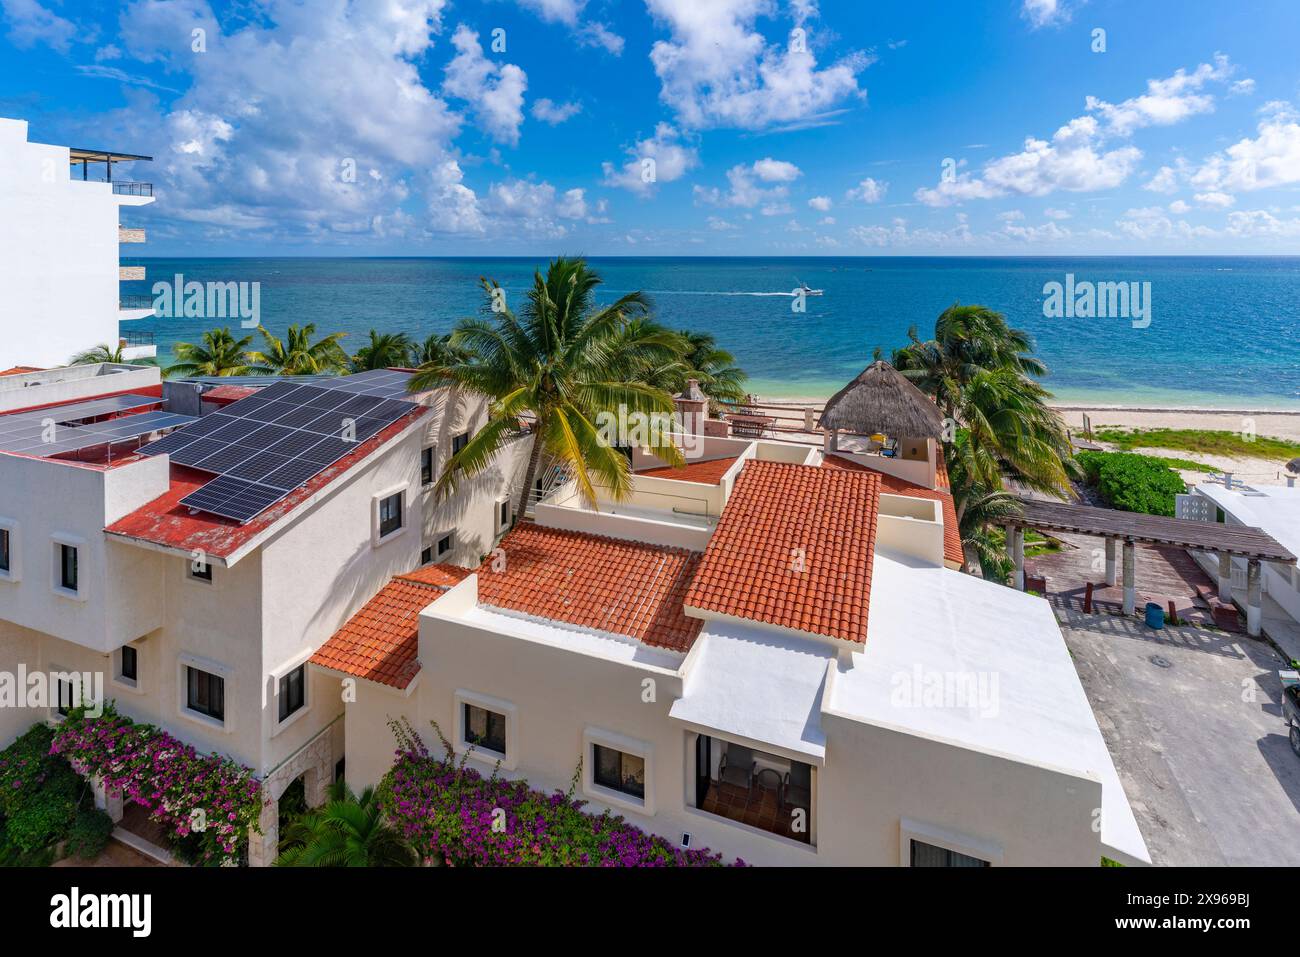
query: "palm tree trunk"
533, 457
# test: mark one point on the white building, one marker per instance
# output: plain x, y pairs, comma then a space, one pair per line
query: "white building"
59, 251
201, 624
768, 653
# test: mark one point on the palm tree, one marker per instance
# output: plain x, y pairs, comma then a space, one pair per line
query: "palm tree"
719, 376
438, 350
981, 510
349, 831
383, 350
107, 353
298, 355
220, 354
563, 362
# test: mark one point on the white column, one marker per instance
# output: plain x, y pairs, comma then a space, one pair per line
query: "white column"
1130, 574
1225, 576
1254, 600
1018, 556
1111, 564
111, 803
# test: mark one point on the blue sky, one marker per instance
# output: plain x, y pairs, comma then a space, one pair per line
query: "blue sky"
380, 127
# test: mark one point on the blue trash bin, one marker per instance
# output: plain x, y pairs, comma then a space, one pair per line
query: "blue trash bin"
1155, 615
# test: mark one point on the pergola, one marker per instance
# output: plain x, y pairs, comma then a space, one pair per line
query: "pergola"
1227, 541
86, 157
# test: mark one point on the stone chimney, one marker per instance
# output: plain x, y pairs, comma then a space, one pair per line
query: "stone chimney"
692, 408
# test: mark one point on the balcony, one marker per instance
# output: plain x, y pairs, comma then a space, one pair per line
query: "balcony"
134, 307
129, 273
133, 189
137, 345
127, 234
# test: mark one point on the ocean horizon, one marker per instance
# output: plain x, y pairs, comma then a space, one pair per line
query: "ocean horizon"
1214, 332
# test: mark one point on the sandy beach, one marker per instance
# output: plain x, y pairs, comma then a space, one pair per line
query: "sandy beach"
1258, 471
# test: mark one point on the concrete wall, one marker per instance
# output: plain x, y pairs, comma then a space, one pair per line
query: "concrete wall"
58, 254
71, 384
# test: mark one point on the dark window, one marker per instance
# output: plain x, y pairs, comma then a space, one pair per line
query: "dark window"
201, 570
65, 703
130, 663
444, 545
68, 567
927, 855
504, 514
206, 693
426, 555
485, 728
426, 466
340, 768
4, 549
390, 514
293, 691
619, 771
459, 442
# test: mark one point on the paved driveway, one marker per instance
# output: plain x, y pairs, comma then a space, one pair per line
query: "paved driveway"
1193, 722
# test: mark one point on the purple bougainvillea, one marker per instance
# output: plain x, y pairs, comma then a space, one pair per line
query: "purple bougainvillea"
204, 795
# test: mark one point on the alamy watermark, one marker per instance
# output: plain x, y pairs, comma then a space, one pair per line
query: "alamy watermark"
647, 430
964, 690
1098, 300
53, 689
178, 299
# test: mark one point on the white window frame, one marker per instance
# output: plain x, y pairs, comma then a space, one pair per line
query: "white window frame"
299, 661
432, 451
53, 707
909, 830
135, 686
404, 490
58, 540
610, 739
501, 527
14, 574
224, 672
469, 436
437, 555
510, 759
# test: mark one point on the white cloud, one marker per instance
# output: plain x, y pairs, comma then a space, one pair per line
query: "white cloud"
1011, 216
826, 221
599, 35
1179, 208
1268, 160
1150, 222
569, 13
1043, 13
899, 234
30, 24
721, 225
1259, 222
1242, 87
1165, 181
869, 191
554, 113
495, 91
110, 51
1052, 213
1215, 199
718, 70
746, 190
1046, 233
1078, 159
820, 203
672, 159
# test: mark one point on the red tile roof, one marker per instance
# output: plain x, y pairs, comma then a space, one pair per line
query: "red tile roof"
381, 641
793, 548
226, 394
165, 521
891, 484
710, 472
19, 370
606, 584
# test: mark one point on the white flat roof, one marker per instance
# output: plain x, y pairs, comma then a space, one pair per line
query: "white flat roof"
757, 684
1274, 508
998, 658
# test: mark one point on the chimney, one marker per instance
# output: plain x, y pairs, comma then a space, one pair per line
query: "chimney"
692, 408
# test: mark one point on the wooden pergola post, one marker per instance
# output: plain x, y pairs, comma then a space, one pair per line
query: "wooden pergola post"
1130, 575
1110, 562
1225, 576
1018, 556
1254, 598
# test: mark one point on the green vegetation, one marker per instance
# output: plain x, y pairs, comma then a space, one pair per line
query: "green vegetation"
1205, 441
40, 799
1036, 544
1107, 862
297, 354
90, 833
1132, 482
349, 831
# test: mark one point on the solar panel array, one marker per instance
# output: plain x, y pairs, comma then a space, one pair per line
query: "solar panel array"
265, 446
29, 433
384, 383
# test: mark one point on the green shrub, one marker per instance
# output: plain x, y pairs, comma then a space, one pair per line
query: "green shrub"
39, 796
1131, 482
90, 833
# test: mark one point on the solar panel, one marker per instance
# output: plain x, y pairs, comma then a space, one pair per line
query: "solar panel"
75, 411
30, 437
274, 442
383, 383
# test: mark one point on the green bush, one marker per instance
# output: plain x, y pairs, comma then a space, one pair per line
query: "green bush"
90, 833
1131, 482
39, 796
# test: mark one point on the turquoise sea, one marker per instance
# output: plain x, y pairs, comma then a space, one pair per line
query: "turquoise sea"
1223, 331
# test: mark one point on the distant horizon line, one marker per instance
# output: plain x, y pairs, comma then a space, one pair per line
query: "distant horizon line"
747, 257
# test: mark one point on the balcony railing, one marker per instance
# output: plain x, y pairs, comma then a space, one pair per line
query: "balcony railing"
136, 338
135, 302
133, 189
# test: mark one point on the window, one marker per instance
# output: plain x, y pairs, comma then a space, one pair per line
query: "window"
426, 466
445, 544
68, 567
426, 555
503, 515
618, 771
4, 549
390, 514
293, 691
65, 692
459, 442
130, 664
485, 729
200, 571
205, 693
930, 855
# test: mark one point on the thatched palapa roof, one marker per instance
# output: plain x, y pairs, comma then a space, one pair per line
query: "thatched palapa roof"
882, 400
